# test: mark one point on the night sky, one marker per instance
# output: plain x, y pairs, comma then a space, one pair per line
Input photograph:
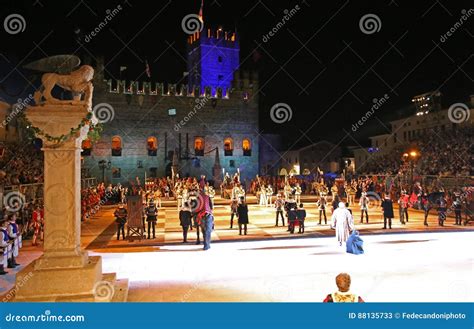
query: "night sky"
320, 63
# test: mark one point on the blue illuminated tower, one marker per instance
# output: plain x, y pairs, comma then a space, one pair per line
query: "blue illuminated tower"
213, 56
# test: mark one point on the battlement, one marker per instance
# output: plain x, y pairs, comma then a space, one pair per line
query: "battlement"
243, 81
211, 37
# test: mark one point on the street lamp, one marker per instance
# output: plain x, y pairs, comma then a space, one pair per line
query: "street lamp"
104, 165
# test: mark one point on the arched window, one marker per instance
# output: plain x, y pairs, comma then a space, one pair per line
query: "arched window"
152, 146
247, 147
86, 147
199, 146
116, 146
228, 147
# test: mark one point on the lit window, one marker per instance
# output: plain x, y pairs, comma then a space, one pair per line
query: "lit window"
116, 146
152, 146
86, 147
199, 146
228, 147
247, 147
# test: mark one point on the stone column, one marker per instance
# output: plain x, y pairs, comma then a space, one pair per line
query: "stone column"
64, 272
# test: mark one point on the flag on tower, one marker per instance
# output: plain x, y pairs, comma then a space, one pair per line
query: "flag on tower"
147, 69
201, 17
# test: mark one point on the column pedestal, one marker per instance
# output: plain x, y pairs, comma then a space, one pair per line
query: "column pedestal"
64, 272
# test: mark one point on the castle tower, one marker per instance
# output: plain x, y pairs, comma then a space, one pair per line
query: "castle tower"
213, 56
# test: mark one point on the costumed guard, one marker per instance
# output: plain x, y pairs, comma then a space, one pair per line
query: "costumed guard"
298, 192
387, 209
185, 220
12, 231
355, 244
38, 225
5, 246
364, 207
279, 204
151, 217
269, 195
322, 202
343, 295
342, 222
243, 214
121, 219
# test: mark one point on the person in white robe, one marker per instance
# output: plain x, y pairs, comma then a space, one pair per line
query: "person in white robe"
342, 222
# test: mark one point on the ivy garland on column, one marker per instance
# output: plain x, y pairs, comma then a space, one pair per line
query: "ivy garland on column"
93, 134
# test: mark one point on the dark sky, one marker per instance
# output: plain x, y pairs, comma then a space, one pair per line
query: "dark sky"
320, 63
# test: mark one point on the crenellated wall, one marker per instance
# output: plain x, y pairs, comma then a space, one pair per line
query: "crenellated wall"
140, 110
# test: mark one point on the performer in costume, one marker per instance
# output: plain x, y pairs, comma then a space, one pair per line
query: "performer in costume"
15, 236
269, 195
243, 214
387, 209
425, 205
457, 204
403, 207
334, 190
233, 211
210, 192
5, 246
185, 220
301, 215
121, 219
263, 196
322, 202
364, 207
292, 217
354, 244
342, 222
38, 224
279, 203
298, 193
151, 217
343, 295
442, 208
205, 219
